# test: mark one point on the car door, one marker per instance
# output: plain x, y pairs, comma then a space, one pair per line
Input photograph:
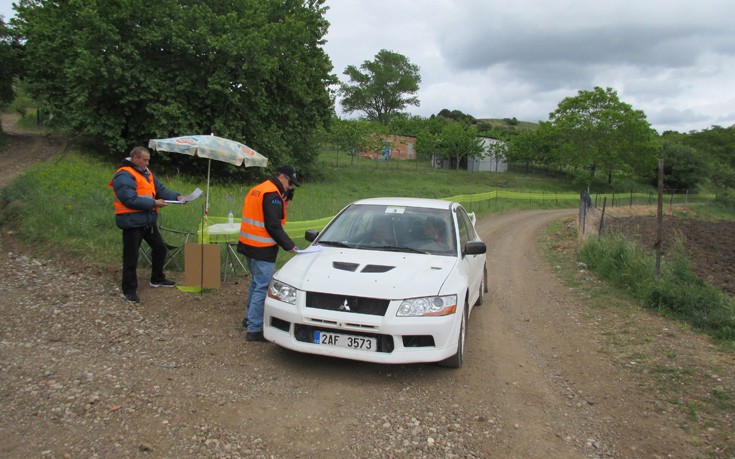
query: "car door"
473, 264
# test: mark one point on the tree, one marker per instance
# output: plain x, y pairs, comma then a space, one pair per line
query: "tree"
717, 148
381, 88
596, 131
457, 115
125, 72
533, 146
457, 140
684, 168
355, 136
11, 64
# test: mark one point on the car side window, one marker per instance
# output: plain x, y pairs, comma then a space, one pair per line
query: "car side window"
466, 230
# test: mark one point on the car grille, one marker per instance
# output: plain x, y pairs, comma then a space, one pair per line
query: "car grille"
344, 303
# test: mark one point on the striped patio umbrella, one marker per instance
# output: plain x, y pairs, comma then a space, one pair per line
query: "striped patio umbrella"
212, 148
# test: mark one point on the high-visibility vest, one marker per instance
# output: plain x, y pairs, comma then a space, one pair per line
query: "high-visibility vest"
252, 227
144, 187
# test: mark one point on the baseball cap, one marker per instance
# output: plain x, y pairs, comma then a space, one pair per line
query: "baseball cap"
288, 171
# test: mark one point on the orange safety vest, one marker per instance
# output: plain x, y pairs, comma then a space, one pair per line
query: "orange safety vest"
252, 227
145, 188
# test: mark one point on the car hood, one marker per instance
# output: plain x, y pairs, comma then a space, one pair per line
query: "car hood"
367, 273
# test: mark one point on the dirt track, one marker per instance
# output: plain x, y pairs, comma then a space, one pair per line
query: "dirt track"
88, 375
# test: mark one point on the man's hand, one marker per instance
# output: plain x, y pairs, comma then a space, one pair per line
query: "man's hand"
161, 203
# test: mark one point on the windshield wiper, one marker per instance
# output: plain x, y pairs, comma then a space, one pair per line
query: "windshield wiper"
395, 248
336, 244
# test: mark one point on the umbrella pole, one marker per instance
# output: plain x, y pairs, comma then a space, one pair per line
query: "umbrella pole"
201, 249
206, 198
205, 216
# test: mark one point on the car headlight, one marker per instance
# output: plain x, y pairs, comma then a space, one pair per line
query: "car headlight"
428, 306
282, 292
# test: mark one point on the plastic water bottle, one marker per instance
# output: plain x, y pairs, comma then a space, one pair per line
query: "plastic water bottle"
230, 219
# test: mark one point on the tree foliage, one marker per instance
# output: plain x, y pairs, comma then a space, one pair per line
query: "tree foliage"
10, 57
595, 131
457, 115
357, 135
381, 88
684, 168
717, 148
125, 72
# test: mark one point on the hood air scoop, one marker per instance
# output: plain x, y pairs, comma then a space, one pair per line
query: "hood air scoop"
377, 269
352, 267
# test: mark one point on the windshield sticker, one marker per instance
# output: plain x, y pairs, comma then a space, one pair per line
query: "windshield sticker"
394, 210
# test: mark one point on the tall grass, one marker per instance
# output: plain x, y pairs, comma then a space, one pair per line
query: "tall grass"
678, 293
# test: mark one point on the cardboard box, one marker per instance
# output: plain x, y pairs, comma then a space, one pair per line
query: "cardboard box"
202, 265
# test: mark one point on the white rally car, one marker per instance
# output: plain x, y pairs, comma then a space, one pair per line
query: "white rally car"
388, 280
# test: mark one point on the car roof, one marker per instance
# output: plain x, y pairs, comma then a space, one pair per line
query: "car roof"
408, 202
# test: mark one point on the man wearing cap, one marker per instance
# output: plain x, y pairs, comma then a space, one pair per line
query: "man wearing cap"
261, 233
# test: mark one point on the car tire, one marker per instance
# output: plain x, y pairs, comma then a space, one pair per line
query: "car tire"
457, 359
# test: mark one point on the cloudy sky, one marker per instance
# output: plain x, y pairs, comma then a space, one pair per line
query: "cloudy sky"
673, 59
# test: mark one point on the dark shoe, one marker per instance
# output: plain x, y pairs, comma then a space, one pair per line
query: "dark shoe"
245, 323
132, 297
163, 283
255, 336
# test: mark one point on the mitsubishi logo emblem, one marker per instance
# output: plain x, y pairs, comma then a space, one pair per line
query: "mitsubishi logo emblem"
344, 306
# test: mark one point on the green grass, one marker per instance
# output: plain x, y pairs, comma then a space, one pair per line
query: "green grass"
678, 292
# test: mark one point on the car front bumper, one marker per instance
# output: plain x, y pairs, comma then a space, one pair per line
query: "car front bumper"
398, 339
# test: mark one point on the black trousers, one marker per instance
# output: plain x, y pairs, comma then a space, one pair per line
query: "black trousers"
132, 239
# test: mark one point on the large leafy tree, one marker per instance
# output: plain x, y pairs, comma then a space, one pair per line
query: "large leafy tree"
251, 70
381, 88
595, 131
11, 63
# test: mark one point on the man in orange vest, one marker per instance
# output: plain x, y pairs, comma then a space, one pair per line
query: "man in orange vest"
261, 233
138, 196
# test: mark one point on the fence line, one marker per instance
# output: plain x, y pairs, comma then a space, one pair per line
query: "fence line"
675, 198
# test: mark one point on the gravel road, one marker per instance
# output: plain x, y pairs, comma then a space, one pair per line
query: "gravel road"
85, 374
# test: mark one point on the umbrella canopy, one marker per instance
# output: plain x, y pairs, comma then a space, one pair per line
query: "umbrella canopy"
211, 147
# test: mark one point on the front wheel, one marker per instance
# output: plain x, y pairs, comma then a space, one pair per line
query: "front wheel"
457, 359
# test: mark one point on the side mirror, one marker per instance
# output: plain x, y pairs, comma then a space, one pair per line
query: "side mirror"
310, 235
474, 248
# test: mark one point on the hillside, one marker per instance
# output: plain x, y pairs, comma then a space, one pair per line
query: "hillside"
504, 126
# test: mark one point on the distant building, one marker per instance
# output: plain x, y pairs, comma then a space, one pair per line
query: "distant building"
492, 160
401, 147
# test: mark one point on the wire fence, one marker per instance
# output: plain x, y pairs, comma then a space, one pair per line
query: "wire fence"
591, 214
594, 209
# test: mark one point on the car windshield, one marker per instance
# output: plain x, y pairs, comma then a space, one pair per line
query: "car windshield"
392, 228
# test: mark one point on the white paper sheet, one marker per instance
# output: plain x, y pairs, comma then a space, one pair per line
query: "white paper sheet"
310, 249
189, 197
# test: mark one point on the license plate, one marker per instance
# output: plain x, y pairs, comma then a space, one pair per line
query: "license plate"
348, 341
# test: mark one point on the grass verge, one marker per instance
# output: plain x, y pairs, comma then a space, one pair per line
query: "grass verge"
689, 376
